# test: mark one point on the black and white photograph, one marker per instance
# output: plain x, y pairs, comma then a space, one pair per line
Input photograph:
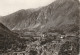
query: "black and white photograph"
39, 27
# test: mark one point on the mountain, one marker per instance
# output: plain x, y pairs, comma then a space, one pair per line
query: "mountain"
7, 38
21, 16
61, 15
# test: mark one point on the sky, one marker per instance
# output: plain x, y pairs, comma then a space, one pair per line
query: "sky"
10, 6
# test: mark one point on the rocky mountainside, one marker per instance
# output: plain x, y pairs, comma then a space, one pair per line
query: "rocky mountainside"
5, 34
4, 31
8, 39
61, 15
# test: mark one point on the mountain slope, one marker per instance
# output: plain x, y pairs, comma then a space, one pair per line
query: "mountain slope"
61, 13
55, 15
13, 19
7, 38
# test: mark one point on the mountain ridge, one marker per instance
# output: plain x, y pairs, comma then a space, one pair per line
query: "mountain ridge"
56, 14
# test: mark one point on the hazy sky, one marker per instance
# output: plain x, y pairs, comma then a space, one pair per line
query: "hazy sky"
10, 6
